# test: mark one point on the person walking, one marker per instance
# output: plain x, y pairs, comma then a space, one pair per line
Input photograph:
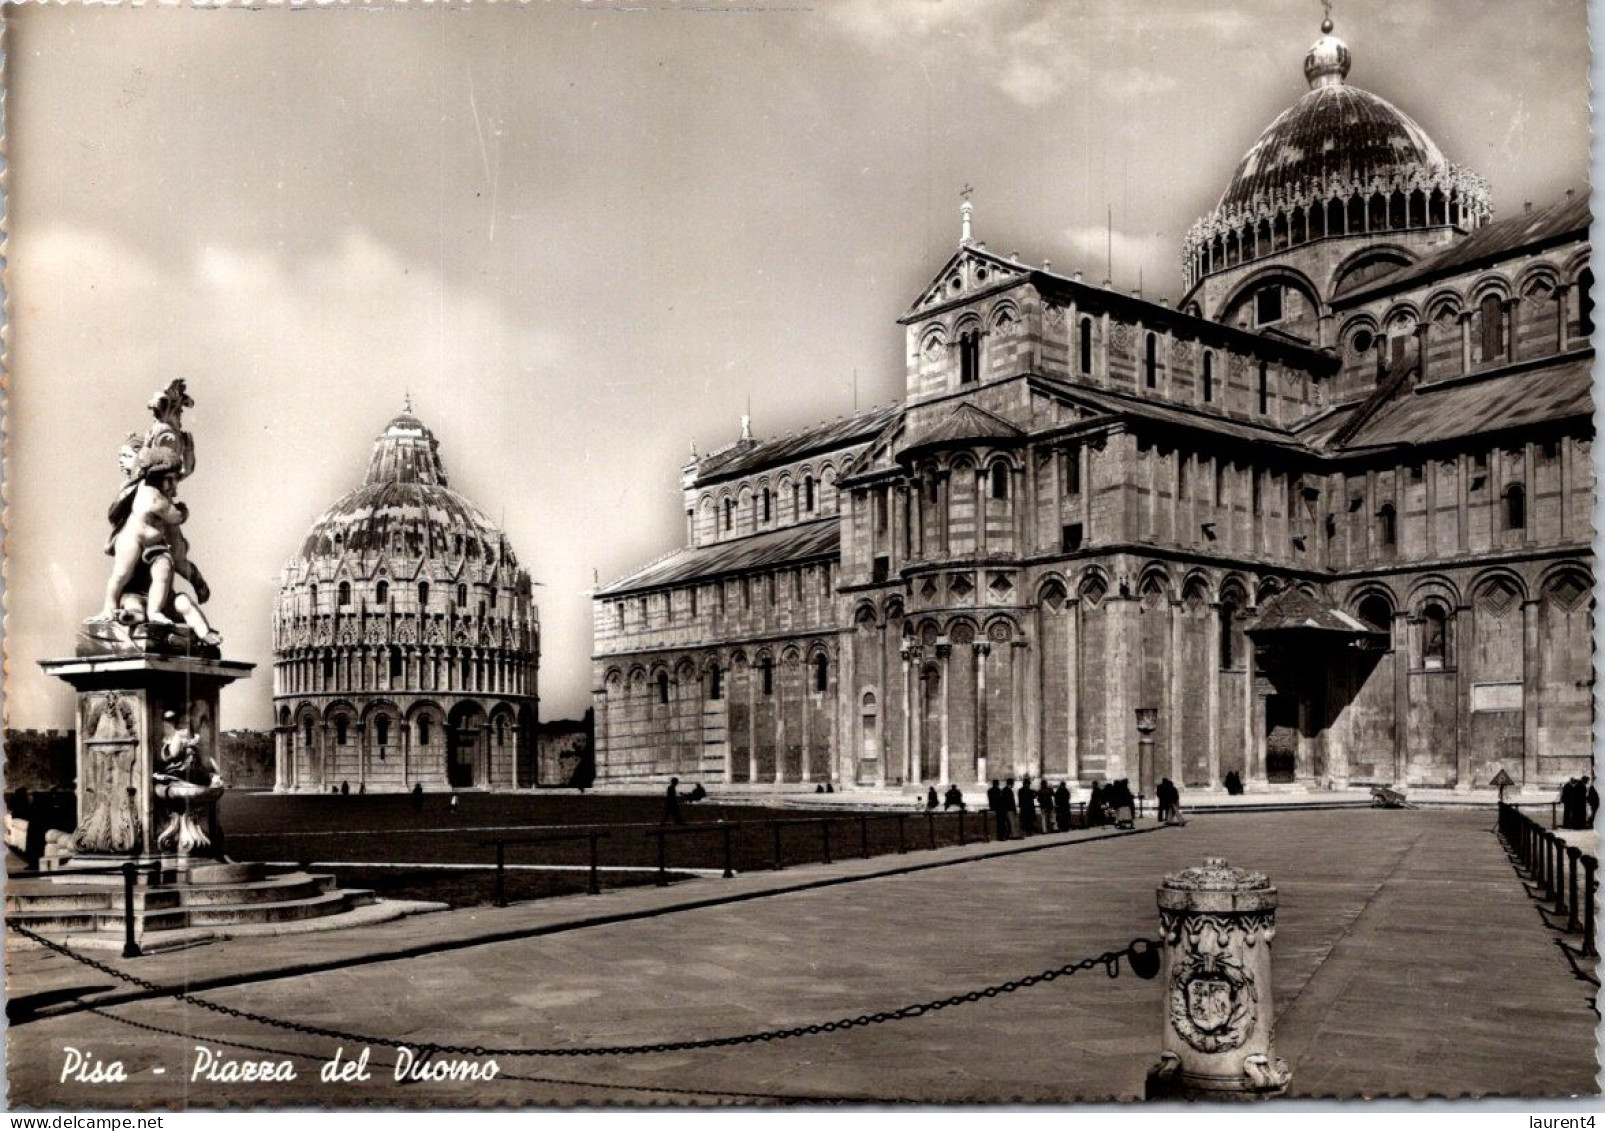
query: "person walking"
1096, 800
1162, 796
1000, 817
932, 802
1045, 806
671, 804
1028, 807
1061, 807
1010, 811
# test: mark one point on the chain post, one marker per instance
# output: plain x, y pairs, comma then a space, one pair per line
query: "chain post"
728, 872
130, 944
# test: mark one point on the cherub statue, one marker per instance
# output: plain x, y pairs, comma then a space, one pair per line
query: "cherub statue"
147, 546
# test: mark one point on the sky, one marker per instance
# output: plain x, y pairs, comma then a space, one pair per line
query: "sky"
584, 236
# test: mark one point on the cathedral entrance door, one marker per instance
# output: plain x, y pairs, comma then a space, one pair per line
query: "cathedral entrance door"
1281, 737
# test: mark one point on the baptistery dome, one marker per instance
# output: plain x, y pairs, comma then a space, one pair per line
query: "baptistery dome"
406, 640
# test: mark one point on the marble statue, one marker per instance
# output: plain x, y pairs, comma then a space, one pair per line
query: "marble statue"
147, 545
187, 779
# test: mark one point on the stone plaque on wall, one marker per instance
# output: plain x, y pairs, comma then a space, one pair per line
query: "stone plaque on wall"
1496, 696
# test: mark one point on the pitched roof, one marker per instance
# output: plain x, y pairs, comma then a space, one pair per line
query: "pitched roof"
744, 457
1294, 610
964, 423
1126, 404
810, 540
1455, 409
1499, 240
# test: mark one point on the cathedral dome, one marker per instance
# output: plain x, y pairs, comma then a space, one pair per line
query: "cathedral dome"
1339, 162
405, 507
1335, 132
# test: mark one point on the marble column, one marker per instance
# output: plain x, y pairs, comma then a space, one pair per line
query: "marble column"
980, 649
944, 655
1072, 688
1212, 695
1532, 673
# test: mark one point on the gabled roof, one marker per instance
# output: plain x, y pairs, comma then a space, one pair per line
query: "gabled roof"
1566, 218
964, 423
1294, 610
772, 549
741, 458
1455, 409
969, 271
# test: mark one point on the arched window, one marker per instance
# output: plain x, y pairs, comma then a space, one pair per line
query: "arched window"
1375, 611
1585, 304
423, 730
808, 494
381, 592
766, 504
462, 596
1434, 637
729, 514
1515, 507
345, 593
1387, 527
1000, 481
768, 676
501, 730
340, 723
821, 672
1209, 376
1493, 328
423, 594
1086, 346
1150, 362
969, 357
663, 687
381, 730
1264, 389
715, 682
306, 730
395, 664
312, 593
328, 671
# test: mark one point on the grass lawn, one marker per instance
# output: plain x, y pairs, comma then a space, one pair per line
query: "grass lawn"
387, 828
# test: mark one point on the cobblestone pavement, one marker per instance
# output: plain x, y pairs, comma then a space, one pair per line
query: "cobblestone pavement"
1408, 960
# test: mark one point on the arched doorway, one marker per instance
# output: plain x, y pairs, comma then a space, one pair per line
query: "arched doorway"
465, 747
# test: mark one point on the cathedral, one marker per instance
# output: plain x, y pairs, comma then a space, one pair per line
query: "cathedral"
1324, 523
406, 643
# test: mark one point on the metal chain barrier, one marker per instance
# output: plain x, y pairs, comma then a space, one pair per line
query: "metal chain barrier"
1141, 955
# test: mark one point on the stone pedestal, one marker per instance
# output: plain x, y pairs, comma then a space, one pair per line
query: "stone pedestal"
1217, 923
128, 707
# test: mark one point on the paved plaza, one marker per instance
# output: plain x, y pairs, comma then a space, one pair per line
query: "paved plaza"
1408, 961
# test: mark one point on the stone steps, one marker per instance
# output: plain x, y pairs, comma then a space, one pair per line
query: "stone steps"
76, 907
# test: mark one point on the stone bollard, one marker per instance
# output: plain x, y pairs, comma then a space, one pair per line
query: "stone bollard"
1217, 923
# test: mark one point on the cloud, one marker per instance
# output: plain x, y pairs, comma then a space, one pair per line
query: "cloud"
1090, 244
1034, 53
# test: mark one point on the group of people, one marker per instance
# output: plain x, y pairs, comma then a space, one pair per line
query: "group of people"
1579, 801
1111, 803
1026, 811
